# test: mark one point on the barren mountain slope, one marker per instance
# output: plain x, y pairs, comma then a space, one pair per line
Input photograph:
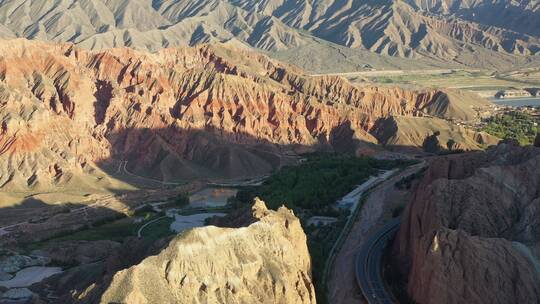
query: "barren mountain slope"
480, 33
180, 113
142, 24
398, 29
470, 233
410, 132
517, 16
265, 262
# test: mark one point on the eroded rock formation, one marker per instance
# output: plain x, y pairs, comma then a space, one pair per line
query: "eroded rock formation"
265, 262
471, 233
182, 113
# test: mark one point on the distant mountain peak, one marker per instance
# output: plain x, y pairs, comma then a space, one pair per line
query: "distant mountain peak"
477, 33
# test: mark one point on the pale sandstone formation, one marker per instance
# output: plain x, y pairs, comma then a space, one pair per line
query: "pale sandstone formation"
471, 233
182, 113
265, 262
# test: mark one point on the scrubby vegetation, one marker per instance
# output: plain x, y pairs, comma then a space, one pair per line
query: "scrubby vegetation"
320, 242
317, 183
514, 125
158, 229
114, 230
180, 201
117, 229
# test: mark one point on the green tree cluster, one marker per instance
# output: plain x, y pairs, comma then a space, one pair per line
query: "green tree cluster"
317, 183
514, 125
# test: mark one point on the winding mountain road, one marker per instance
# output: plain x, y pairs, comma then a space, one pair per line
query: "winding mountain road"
139, 232
122, 169
375, 213
369, 262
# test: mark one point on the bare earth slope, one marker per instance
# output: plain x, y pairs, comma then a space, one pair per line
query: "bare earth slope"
180, 113
266, 262
479, 33
409, 132
470, 233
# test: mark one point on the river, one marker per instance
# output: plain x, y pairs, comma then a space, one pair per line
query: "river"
517, 102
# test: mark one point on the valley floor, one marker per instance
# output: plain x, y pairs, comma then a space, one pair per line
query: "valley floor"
376, 210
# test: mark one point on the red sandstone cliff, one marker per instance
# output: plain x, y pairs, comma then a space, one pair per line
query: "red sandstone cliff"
179, 113
471, 233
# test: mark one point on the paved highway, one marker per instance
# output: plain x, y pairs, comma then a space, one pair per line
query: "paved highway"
368, 265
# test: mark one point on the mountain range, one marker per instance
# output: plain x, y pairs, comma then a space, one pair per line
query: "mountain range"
349, 34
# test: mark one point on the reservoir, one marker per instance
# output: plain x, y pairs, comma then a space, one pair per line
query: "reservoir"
518, 102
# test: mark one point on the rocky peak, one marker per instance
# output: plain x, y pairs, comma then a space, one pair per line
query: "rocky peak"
259, 209
266, 260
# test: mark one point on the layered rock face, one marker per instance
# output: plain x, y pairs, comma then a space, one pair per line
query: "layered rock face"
471, 233
265, 262
182, 113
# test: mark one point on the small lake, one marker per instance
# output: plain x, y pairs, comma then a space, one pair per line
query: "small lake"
517, 102
211, 197
184, 222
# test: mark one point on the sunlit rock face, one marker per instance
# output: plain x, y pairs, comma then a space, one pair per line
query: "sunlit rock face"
471, 233
265, 262
183, 113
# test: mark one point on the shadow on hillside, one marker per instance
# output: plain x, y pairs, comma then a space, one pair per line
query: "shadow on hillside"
48, 228
34, 220
162, 163
174, 155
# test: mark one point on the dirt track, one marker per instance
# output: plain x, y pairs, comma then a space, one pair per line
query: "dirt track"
342, 287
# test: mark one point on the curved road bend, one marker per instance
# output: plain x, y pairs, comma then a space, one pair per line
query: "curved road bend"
368, 265
139, 232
